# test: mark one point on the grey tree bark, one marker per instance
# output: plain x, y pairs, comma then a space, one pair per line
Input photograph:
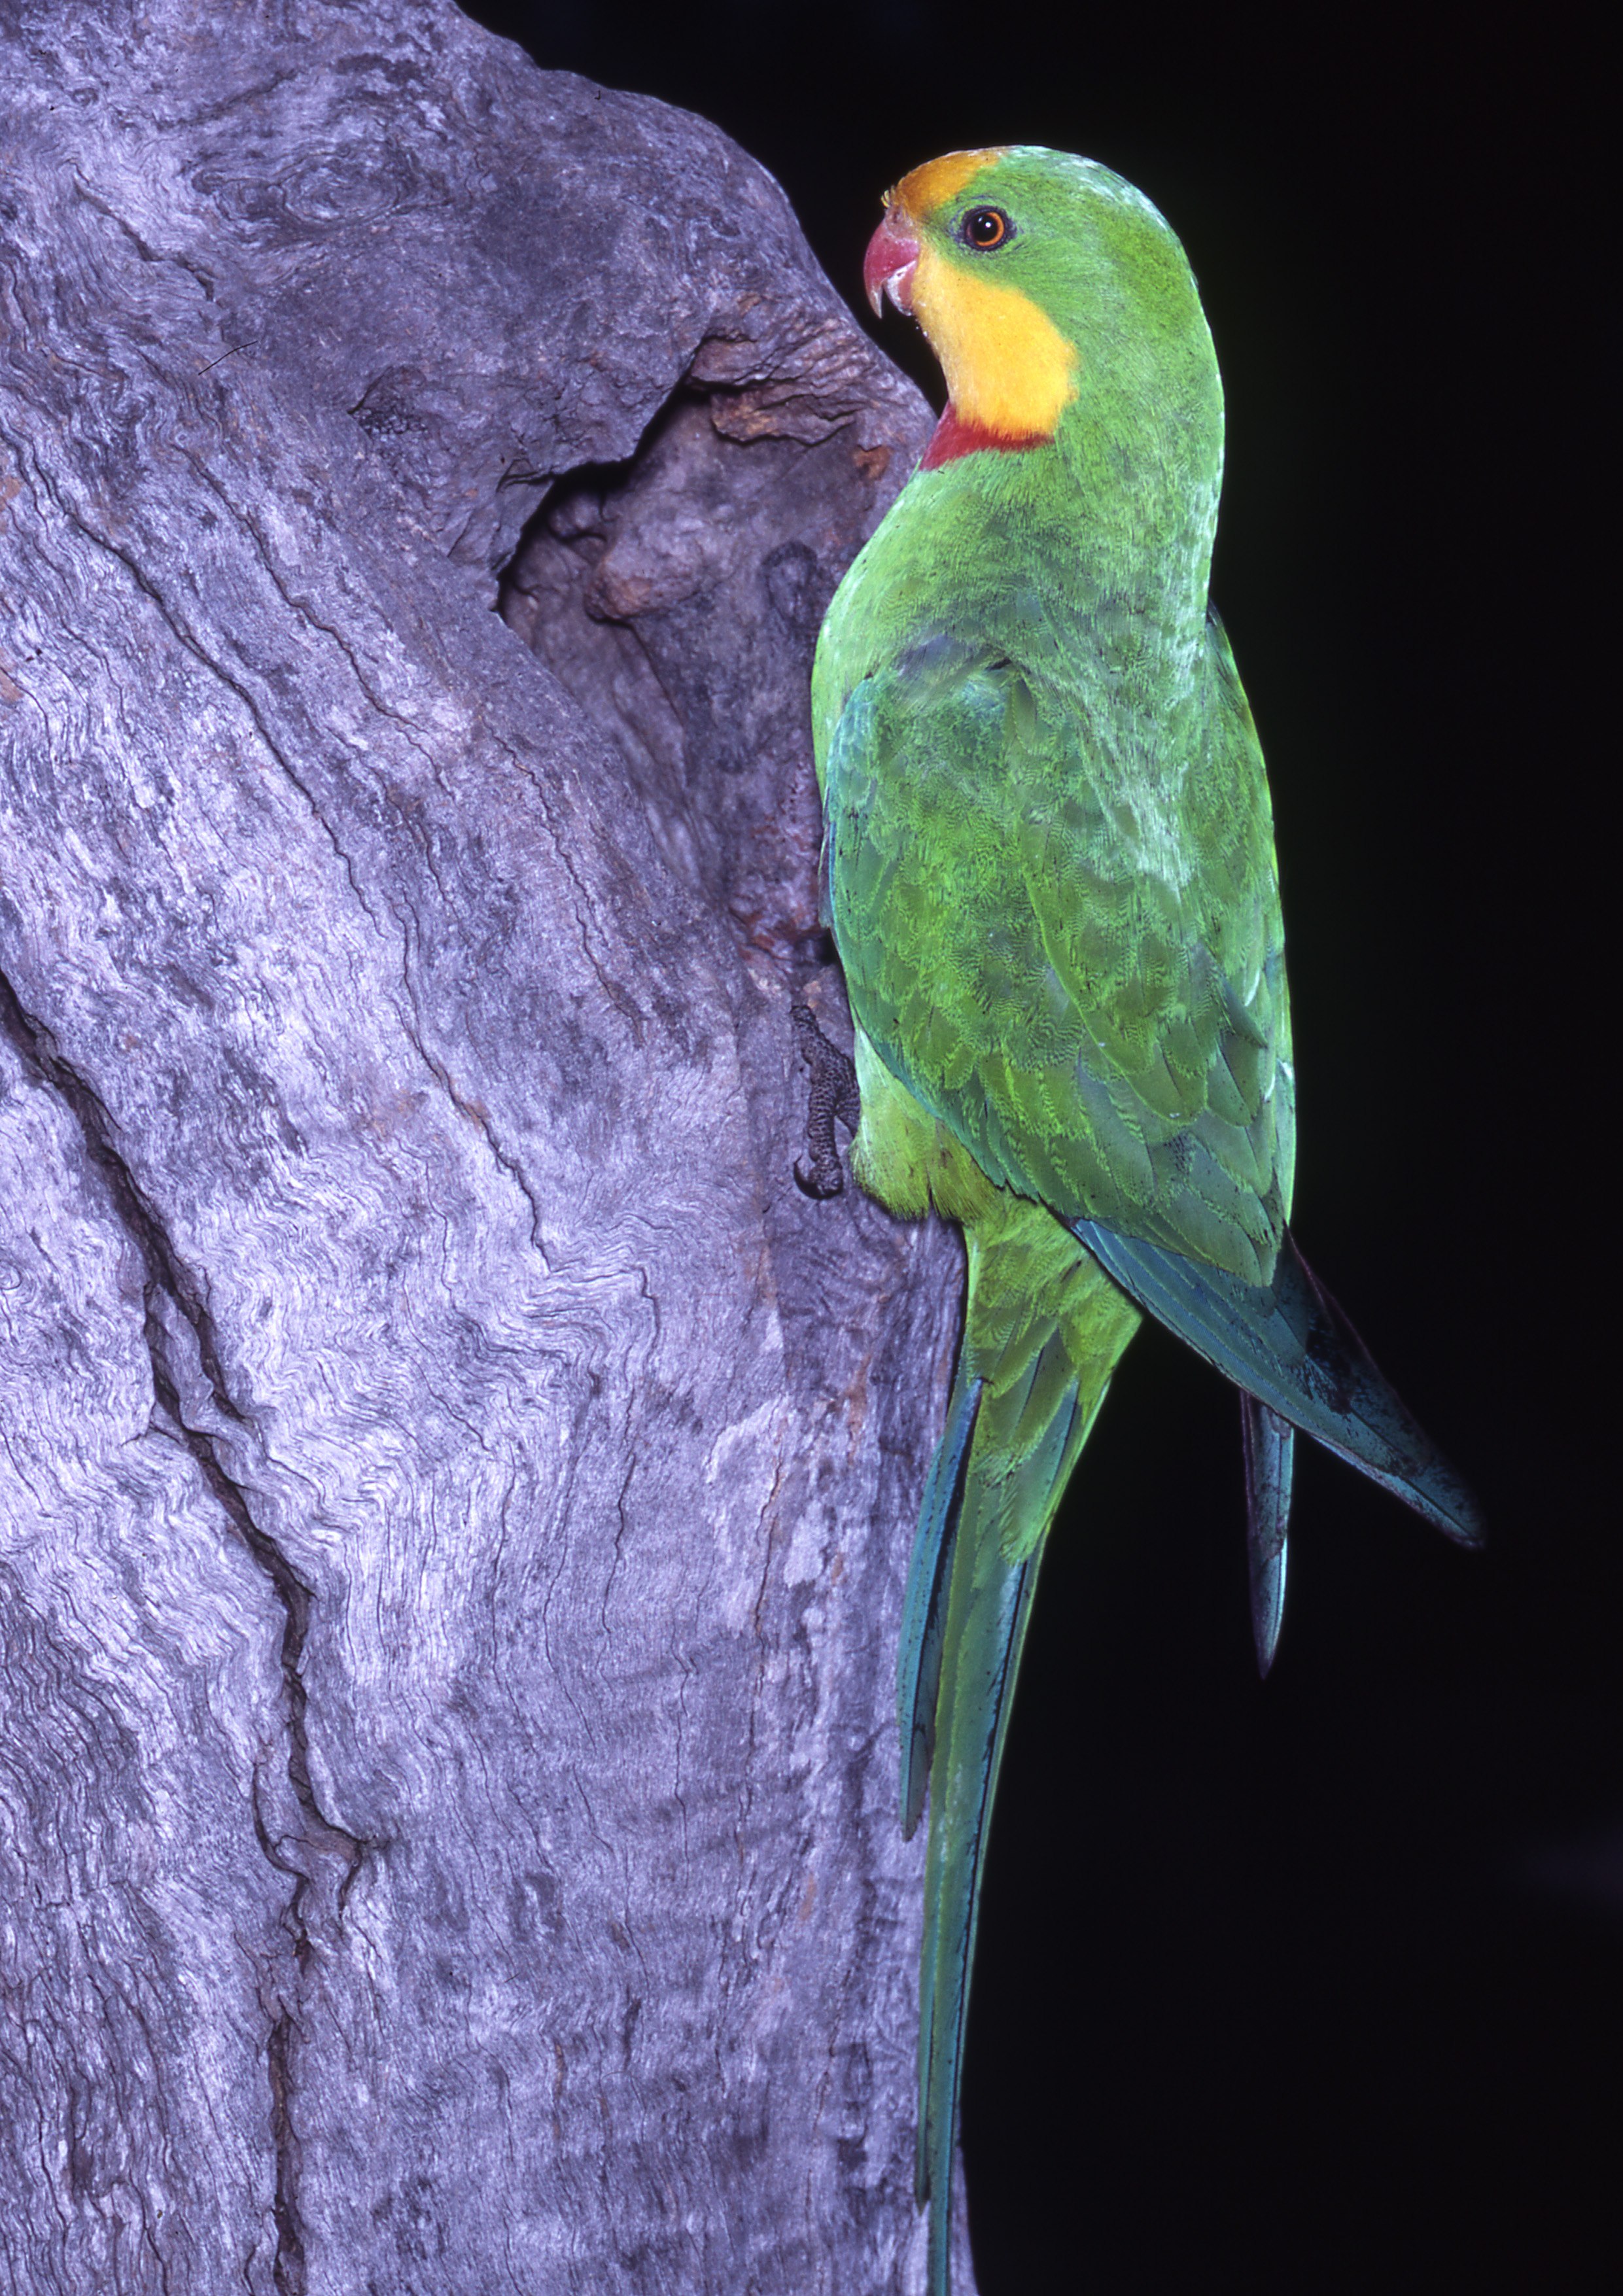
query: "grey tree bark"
454, 1487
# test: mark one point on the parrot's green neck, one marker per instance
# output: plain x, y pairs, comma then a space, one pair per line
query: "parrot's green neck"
1118, 525
1127, 493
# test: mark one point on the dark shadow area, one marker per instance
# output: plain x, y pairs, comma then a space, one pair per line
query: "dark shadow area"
677, 597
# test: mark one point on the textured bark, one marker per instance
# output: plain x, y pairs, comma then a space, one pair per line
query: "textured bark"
453, 1486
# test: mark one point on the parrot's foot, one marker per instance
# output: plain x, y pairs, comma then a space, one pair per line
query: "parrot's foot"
833, 1095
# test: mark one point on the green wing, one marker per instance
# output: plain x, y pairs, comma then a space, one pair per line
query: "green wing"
1066, 940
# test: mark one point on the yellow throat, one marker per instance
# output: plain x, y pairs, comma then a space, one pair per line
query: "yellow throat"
1009, 370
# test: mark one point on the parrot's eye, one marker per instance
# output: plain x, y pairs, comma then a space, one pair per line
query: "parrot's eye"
985, 228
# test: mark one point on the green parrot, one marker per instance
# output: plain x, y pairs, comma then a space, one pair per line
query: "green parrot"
1050, 876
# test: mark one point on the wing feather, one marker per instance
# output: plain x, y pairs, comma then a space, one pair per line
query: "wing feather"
1069, 947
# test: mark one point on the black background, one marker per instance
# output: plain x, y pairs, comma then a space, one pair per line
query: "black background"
1318, 1986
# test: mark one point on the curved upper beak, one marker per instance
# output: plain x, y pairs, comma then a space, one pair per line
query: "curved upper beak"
891, 262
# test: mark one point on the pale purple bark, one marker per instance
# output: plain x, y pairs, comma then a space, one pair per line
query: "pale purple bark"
455, 1488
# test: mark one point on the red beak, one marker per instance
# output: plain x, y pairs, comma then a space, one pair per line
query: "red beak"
891, 262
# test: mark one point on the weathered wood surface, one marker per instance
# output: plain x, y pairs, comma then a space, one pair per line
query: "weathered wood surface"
453, 1487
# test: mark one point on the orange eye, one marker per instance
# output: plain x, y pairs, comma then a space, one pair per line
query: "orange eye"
985, 228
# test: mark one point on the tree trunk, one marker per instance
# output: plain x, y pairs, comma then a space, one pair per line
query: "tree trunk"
454, 1487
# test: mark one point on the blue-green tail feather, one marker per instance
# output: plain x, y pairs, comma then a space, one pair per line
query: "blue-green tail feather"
1013, 1436
918, 1678
1287, 1344
989, 1612
1270, 1453
1043, 1329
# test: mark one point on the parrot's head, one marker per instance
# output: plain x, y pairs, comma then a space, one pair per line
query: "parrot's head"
1042, 280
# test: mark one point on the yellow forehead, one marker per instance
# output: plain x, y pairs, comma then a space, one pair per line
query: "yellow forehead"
930, 186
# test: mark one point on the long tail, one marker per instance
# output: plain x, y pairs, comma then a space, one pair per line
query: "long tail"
1043, 1331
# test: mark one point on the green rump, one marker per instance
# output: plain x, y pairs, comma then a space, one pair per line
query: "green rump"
1051, 883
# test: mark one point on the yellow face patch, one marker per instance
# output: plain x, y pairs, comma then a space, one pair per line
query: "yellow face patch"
1009, 370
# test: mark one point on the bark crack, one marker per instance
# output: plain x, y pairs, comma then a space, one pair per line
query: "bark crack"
617, 995
304, 610
475, 1112
188, 639
321, 1840
503, 1158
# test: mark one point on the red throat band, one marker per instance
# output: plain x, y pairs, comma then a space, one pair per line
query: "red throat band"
953, 437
